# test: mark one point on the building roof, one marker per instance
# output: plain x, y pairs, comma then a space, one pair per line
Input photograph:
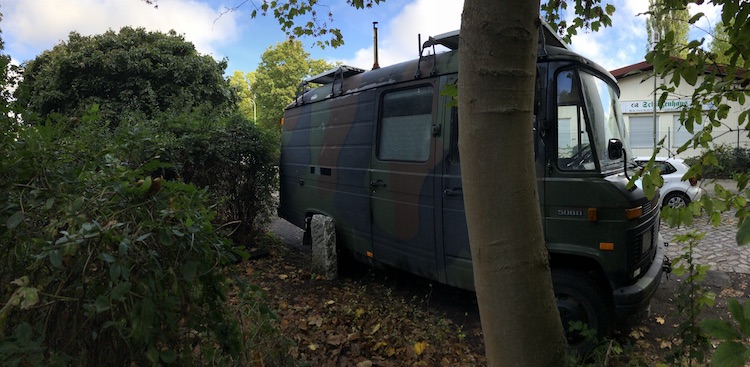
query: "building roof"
629, 70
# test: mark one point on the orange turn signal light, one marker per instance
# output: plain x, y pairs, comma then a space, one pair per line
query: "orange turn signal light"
634, 213
606, 246
593, 214
369, 254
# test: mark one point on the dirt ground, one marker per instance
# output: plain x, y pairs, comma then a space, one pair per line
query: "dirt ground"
382, 317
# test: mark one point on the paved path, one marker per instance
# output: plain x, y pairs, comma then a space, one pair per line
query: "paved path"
718, 248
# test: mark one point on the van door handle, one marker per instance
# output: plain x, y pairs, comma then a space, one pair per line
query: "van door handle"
454, 192
378, 183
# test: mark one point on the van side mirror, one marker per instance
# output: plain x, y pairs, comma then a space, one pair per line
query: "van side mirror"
614, 149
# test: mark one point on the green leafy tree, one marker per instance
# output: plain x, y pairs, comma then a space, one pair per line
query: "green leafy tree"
277, 78
125, 72
720, 45
718, 84
242, 84
670, 25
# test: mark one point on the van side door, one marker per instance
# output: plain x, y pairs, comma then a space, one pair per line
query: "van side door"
456, 259
402, 179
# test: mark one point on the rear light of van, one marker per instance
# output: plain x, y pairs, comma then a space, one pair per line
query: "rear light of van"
693, 181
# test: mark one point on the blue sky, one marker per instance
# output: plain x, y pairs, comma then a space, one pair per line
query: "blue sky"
32, 26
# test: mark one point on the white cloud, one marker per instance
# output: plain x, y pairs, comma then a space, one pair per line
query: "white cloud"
30, 26
622, 44
398, 40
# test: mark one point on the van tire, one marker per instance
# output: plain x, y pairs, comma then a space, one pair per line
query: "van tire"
580, 298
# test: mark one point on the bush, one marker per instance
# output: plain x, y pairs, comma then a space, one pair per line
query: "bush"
724, 161
235, 160
103, 262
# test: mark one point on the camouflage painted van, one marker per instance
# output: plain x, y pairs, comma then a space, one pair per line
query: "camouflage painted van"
376, 151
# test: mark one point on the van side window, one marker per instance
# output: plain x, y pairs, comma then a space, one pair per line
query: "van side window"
573, 145
406, 125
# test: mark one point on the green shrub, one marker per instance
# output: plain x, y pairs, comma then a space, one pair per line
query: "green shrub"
105, 264
723, 162
235, 160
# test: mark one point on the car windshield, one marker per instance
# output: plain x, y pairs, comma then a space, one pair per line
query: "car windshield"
588, 117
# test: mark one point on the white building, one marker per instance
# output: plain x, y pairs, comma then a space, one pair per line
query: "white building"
637, 101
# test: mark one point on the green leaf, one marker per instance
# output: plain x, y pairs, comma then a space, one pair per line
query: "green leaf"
719, 329
115, 270
107, 257
690, 75
743, 233
55, 259
168, 356
738, 313
143, 237
49, 203
119, 291
30, 297
729, 354
146, 184
101, 304
15, 220
190, 270
23, 333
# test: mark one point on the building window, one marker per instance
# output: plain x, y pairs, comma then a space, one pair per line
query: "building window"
681, 135
406, 125
641, 131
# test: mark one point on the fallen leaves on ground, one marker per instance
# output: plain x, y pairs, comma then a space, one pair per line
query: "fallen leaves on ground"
356, 322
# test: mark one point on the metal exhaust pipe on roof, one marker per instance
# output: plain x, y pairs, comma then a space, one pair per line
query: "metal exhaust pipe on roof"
375, 65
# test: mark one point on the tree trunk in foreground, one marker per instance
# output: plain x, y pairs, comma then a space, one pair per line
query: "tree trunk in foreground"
497, 71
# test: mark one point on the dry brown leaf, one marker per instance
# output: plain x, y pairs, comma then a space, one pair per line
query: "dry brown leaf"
283, 276
312, 346
636, 334
364, 364
660, 320
336, 340
315, 320
666, 344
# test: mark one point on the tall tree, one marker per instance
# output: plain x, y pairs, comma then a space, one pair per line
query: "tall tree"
670, 25
242, 84
517, 307
130, 71
720, 45
277, 79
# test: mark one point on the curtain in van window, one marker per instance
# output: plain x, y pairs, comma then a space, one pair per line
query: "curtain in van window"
406, 125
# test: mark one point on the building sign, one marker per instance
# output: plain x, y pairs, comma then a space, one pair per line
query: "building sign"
671, 105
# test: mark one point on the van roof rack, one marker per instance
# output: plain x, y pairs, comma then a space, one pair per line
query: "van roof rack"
333, 76
547, 37
448, 39
329, 76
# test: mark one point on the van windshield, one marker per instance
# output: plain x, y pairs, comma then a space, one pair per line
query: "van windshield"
588, 116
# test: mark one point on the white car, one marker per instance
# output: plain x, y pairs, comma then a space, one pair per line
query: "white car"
675, 192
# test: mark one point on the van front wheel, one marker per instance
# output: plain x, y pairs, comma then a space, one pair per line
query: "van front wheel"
581, 299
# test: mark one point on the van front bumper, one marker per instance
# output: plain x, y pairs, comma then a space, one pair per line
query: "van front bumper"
635, 299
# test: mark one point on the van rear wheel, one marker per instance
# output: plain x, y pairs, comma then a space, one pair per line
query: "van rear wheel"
580, 298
